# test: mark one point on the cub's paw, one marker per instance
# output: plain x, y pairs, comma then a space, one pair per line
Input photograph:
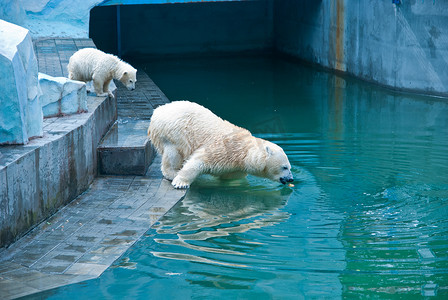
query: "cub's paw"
102, 94
179, 183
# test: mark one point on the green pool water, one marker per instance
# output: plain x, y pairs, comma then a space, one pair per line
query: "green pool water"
367, 217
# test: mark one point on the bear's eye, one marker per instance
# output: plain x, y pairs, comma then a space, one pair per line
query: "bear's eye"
285, 168
130, 81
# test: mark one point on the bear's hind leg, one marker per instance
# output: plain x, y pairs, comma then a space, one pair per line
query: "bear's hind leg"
171, 161
98, 86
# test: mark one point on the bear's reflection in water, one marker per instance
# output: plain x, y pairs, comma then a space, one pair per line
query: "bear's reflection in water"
214, 215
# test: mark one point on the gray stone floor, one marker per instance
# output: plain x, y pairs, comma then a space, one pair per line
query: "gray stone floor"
140, 103
85, 237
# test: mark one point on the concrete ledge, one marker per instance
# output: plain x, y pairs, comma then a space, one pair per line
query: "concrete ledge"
126, 150
38, 178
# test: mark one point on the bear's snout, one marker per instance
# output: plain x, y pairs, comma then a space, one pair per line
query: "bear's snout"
286, 179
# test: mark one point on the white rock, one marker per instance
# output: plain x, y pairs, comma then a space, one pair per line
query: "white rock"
62, 96
20, 108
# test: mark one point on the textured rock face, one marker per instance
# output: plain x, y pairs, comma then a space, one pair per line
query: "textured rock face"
12, 11
46, 18
62, 96
59, 18
20, 114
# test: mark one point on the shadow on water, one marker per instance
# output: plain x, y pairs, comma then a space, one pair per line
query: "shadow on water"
211, 212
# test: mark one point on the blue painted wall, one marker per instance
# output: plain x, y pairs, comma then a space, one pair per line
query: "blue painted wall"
404, 47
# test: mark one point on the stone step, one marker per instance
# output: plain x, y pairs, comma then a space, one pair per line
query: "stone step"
125, 149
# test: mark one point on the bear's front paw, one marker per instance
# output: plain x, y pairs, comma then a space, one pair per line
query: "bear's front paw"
179, 183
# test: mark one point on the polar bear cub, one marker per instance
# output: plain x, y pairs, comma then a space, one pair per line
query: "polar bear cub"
192, 141
92, 64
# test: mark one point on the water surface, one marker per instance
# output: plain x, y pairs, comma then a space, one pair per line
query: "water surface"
367, 217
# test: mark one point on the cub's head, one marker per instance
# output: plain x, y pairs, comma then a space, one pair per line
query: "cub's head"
129, 78
277, 167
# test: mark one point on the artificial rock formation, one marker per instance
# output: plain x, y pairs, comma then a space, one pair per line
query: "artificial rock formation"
62, 96
20, 109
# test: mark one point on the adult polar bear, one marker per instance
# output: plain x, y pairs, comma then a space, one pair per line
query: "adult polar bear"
92, 64
192, 141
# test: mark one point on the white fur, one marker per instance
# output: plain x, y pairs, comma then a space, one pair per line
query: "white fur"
192, 141
92, 64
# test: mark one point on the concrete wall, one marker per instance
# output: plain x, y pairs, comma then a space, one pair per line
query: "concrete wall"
164, 29
39, 178
404, 47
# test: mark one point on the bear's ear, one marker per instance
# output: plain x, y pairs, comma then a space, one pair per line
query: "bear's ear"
125, 73
269, 151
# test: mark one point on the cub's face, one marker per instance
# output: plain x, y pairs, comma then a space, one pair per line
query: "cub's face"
278, 167
129, 78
